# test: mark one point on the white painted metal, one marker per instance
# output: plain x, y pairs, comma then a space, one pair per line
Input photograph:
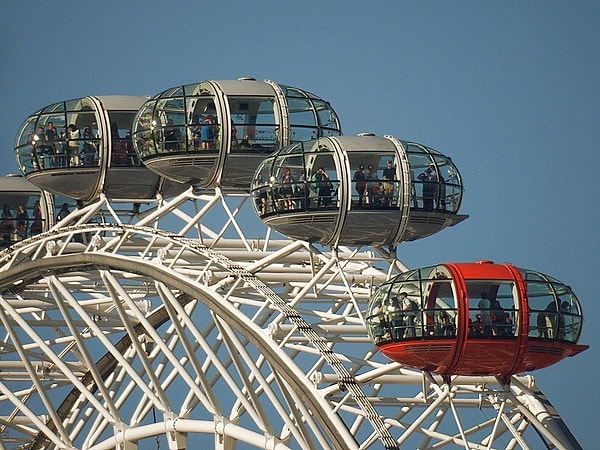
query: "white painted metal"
124, 335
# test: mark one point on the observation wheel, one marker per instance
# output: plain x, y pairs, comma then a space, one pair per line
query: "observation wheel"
122, 335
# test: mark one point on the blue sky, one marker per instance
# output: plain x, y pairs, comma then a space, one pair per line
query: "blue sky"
510, 90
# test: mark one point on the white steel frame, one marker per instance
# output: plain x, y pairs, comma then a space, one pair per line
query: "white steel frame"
124, 335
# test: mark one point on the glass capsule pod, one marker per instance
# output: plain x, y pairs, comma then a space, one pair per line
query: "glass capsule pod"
215, 133
357, 190
26, 210
475, 319
83, 147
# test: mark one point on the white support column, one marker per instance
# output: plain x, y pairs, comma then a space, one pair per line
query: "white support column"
222, 441
176, 440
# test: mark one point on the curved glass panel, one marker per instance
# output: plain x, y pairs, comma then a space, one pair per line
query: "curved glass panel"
419, 304
328, 120
62, 135
435, 180
143, 136
57, 107
296, 179
554, 311
179, 120
26, 145
22, 216
310, 117
169, 121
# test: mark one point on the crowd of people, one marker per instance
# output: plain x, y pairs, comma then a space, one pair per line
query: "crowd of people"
51, 148
19, 225
373, 190
491, 319
400, 318
551, 322
290, 194
72, 147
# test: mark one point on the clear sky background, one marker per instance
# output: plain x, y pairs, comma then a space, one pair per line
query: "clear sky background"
510, 90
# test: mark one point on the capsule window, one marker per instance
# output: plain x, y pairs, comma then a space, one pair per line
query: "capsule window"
554, 311
328, 121
169, 119
254, 124
440, 311
420, 304
309, 117
143, 133
22, 216
568, 327
122, 151
493, 309
435, 181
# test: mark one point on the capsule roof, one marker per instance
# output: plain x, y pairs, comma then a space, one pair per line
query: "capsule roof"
215, 133
358, 190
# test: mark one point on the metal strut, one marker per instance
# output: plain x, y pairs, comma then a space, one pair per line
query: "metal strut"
346, 380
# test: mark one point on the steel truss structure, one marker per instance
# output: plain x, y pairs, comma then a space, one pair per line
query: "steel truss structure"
120, 334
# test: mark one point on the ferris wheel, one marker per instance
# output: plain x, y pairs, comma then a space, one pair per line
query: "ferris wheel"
202, 305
